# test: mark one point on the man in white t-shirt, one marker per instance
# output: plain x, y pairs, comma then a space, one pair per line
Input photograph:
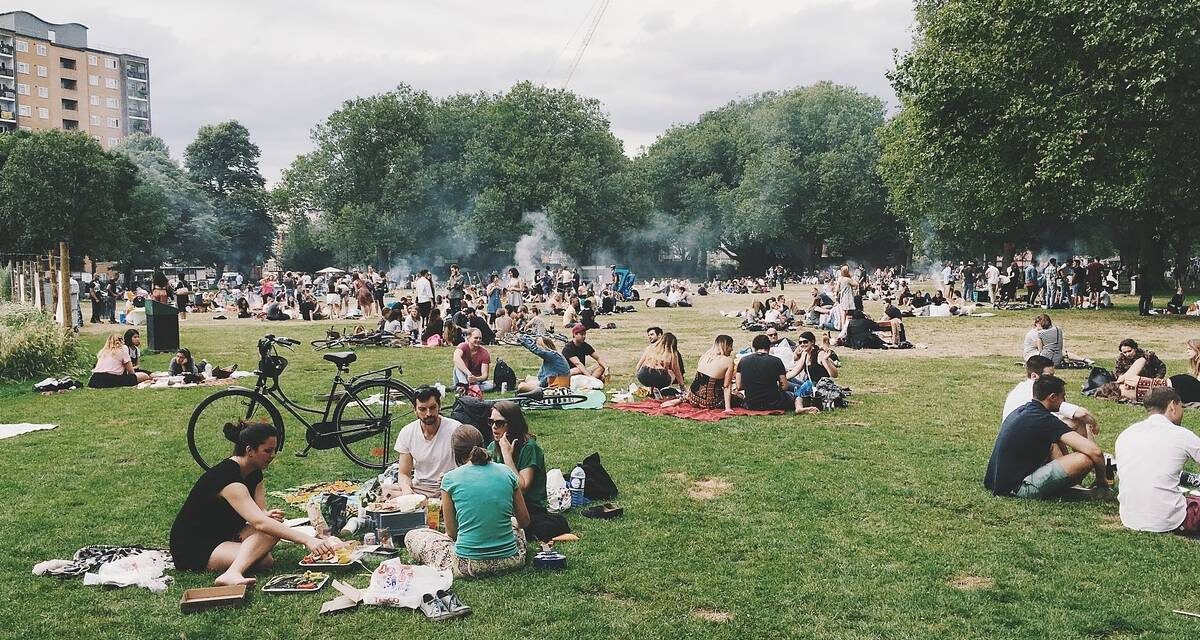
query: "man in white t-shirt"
1150, 459
424, 446
1079, 419
992, 275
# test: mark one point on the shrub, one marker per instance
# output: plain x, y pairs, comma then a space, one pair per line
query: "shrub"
33, 345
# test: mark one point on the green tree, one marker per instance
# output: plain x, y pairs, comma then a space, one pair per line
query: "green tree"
1028, 120
224, 163
301, 251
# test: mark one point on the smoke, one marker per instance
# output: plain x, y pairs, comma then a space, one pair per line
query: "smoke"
399, 271
532, 248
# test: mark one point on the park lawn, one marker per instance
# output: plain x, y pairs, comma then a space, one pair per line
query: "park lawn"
869, 522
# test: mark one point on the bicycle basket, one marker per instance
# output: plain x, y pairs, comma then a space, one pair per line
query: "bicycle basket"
272, 366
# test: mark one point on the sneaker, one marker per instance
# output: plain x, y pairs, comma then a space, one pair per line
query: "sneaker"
434, 608
453, 604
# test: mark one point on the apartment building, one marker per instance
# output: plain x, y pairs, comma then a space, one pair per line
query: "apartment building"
51, 79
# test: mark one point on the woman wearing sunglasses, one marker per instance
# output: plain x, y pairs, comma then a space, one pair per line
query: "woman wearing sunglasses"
516, 448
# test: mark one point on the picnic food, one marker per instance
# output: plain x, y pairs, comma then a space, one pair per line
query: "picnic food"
309, 580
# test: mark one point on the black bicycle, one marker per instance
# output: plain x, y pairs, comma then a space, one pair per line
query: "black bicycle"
350, 340
358, 416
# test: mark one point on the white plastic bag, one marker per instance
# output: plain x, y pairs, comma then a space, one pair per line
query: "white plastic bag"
558, 496
586, 382
395, 584
144, 570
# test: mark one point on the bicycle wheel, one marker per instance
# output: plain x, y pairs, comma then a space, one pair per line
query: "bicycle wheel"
205, 435
321, 345
368, 418
556, 401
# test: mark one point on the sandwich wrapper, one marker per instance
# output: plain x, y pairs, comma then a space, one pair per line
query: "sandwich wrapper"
393, 584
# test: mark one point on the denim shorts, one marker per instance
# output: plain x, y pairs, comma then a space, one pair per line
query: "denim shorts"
1047, 481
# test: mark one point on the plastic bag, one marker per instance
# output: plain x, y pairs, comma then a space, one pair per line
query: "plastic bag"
558, 495
144, 570
395, 584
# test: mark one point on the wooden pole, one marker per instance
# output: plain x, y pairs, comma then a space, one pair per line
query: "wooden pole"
38, 292
64, 285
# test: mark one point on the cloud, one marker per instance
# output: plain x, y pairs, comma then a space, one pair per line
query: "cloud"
282, 67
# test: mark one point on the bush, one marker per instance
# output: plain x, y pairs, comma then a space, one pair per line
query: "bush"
33, 345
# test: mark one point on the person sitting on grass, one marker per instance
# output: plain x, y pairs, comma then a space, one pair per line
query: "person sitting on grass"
480, 500
472, 362
1030, 458
224, 524
554, 372
1134, 362
113, 367
133, 344
659, 365
424, 446
1076, 417
1044, 339
712, 387
514, 447
1151, 455
577, 352
762, 381
434, 327
811, 362
1134, 388
183, 364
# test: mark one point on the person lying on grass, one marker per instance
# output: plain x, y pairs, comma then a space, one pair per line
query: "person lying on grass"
517, 449
713, 385
762, 381
480, 500
1151, 455
1032, 457
224, 524
1079, 419
113, 366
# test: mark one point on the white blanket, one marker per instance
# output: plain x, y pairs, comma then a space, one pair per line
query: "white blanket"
10, 430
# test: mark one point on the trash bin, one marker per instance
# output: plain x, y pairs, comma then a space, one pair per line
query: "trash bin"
162, 327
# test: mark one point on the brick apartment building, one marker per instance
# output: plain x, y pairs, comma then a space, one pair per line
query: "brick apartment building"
51, 79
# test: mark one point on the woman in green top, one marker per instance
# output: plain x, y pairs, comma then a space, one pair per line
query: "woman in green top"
480, 500
517, 449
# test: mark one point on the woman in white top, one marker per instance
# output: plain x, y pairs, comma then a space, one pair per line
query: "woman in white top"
515, 288
845, 288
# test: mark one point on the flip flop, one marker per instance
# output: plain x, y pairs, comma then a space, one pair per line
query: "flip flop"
606, 511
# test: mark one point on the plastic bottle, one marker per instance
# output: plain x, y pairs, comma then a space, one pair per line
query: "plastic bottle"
578, 480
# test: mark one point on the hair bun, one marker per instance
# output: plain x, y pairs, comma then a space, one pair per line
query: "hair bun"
232, 431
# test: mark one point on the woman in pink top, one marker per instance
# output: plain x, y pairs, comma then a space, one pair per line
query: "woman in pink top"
113, 366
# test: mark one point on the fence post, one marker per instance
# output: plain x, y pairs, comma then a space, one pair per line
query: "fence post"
64, 285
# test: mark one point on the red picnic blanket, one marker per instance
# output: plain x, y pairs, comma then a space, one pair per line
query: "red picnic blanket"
652, 407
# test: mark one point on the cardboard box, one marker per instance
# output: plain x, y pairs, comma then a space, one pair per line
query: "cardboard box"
212, 597
350, 599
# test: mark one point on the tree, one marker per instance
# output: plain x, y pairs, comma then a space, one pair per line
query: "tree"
301, 251
1033, 119
224, 163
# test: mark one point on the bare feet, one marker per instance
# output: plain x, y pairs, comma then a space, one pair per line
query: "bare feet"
229, 579
804, 410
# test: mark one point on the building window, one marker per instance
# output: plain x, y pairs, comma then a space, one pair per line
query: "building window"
22, 46
95, 100
43, 113
25, 110
93, 60
111, 63
94, 81
67, 63
41, 49
42, 71
111, 103
96, 121
43, 92
111, 83
22, 89
68, 84
114, 123
22, 67
112, 142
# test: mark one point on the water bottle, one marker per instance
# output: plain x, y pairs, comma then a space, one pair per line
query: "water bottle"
578, 479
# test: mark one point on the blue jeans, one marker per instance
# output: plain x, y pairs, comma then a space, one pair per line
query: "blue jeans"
800, 389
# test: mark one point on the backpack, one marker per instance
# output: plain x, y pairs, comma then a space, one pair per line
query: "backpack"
599, 485
829, 395
1096, 379
474, 412
504, 375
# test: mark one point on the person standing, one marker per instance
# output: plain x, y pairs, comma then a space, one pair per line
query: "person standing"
514, 288
992, 275
968, 276
424, 288
454, 287
1031, 281
1050, 274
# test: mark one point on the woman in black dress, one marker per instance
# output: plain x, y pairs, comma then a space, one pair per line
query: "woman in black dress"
224, 525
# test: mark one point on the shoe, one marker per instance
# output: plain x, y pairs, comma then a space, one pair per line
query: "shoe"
606, 511
453, 604
434, 608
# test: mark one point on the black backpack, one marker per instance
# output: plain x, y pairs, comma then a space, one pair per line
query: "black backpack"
598, 485
1097, 378
474, 412
504, 375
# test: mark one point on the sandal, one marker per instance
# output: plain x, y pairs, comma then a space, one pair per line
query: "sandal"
606, 511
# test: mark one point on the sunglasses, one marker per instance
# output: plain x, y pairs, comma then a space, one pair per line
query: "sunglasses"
803, 342
497, 423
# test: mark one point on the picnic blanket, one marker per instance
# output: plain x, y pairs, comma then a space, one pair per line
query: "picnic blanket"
652, 407
10, 430
298, 496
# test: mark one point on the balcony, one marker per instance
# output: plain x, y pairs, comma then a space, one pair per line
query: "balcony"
138, 94
7, 71
137, 73
71, 125
6, 49
7, 93
70, 105
67, 63
69, 84
8, 116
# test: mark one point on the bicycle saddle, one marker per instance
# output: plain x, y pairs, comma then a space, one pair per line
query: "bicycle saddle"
341, 358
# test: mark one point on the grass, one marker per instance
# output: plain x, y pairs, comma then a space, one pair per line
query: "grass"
869, 522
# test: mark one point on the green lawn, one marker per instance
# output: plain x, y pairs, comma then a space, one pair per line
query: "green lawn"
863, 523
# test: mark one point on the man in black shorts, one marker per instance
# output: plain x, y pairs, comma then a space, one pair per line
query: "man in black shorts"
762, 380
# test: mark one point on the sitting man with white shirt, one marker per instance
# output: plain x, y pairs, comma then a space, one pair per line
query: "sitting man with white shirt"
424, 446
1079, 419
1150, 458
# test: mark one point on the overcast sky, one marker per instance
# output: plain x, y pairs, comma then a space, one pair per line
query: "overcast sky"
282, 67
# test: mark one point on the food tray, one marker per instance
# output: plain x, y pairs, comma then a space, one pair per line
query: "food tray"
354, 558
269, 589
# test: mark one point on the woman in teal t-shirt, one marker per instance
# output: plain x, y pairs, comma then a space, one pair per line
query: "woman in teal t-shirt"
517, 449
480, 499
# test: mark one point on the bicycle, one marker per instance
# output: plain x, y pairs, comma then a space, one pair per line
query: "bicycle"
540, 399
514, 339
336, 340
358, 415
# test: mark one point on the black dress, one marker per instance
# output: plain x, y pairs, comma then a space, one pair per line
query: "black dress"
206, 519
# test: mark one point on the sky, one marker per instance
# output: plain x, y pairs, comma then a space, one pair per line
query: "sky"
280, 68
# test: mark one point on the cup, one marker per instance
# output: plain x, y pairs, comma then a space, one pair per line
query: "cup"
385, 536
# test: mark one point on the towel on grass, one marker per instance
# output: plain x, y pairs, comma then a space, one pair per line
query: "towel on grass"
653, 407
10, 430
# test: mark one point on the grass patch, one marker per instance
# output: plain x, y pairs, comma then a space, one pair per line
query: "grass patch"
851, 524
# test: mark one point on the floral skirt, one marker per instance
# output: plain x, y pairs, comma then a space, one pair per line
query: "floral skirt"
436, 549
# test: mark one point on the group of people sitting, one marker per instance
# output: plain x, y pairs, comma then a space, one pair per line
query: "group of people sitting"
472, 363
119, 364
1047, 445
493, 499
1139, 372
845, 315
